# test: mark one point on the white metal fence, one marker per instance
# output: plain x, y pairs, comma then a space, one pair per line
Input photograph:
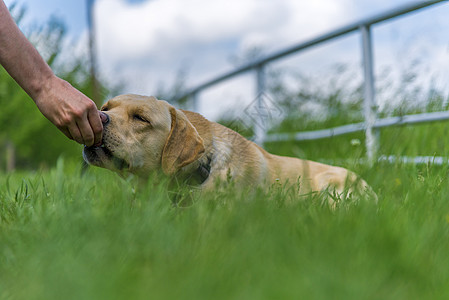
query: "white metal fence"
371, 123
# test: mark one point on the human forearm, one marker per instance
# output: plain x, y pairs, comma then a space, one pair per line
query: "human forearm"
20, 59
63, 105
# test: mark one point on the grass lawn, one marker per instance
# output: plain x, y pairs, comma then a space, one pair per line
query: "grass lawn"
63, 236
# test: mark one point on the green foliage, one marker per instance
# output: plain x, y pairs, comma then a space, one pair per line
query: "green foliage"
102, 237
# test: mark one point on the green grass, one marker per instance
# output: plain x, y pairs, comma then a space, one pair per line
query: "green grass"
63, 236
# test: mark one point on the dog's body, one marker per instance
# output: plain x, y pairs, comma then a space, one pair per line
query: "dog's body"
144, 134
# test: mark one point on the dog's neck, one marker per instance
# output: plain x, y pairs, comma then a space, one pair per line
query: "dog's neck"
198, 173
203, 171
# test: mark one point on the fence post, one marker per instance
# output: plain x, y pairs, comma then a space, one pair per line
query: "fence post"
96, 97
259, 125
10, 156
195, 104
369, 104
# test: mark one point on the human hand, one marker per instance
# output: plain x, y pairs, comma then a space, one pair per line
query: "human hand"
70, 111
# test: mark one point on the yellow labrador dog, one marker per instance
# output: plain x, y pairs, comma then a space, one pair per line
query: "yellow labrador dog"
142, 135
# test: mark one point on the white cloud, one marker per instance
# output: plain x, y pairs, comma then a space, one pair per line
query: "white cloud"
154, 39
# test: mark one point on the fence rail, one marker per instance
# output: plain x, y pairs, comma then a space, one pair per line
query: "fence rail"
370, 124
356, 127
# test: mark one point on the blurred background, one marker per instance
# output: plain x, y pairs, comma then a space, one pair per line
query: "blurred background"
165, 47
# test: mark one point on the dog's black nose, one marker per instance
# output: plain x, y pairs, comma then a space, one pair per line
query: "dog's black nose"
104, 118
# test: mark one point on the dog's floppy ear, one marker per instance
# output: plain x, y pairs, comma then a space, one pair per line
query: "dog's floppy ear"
183, 146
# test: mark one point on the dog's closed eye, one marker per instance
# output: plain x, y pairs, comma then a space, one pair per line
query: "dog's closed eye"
140, 118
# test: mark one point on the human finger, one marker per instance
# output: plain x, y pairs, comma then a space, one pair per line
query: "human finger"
86, 131
96, 125
75, 132
66, 132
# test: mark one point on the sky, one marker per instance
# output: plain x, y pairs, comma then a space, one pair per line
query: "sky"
144, 44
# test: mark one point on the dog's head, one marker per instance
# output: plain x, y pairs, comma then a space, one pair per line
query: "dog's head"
142, 134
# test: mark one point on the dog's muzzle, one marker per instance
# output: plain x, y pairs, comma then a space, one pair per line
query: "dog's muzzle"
100, 155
